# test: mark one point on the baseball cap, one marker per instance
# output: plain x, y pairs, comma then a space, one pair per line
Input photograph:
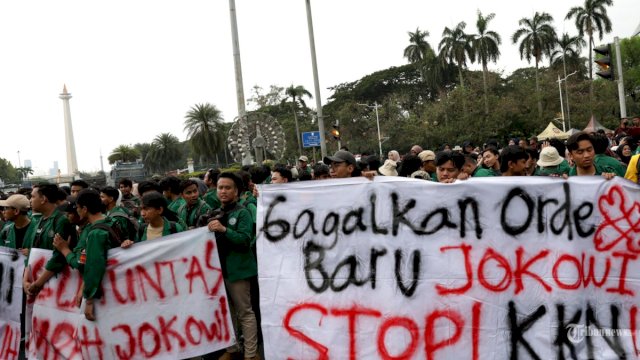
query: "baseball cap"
341, 156
16, 201
303, 158
69, 205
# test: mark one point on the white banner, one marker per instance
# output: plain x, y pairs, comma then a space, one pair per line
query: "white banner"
164, 299
500, 268
11, 268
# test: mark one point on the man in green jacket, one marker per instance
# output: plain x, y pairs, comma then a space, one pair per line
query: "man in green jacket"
603, 161
52, 222
16, 210
581, 149
233, 227
194, 207
98, 242
123, 219
211, 180
472, 169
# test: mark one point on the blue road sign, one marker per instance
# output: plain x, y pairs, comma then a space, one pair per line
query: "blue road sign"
310, 139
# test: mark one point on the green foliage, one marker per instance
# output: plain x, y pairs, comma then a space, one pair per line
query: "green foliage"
591, 18
166, 153
124, 153
8, 173
203, 123
630, 50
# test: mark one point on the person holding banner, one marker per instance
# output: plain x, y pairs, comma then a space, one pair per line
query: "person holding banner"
233, 227
448, 166
52, 222
582, 151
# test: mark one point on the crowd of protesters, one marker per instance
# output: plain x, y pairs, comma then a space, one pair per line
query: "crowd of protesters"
80, 224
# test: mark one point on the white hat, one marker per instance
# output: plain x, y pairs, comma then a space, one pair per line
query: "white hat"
549, 157
389, 168
303, 158
16, 201
456, 148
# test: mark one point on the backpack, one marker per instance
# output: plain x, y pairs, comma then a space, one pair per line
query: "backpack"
133, 227
131, 206
115, 237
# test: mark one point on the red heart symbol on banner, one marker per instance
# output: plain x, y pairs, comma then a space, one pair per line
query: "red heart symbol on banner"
621, 222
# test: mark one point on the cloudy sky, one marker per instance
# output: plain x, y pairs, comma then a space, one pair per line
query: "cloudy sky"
134, 68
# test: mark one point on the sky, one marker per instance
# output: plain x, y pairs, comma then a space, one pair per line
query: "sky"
134, 68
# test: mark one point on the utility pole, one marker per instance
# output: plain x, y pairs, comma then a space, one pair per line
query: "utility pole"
258, 142
376, 106
316, 83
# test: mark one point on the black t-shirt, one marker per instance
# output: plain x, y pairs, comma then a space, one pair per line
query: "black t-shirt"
20, 235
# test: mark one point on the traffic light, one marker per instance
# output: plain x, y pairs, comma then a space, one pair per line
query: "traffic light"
335, 132
605, 62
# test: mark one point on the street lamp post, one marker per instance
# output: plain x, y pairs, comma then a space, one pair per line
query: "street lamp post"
561, 104
376, 106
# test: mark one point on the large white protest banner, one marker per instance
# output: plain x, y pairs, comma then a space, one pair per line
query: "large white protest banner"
502, 268
11, 268
163, 299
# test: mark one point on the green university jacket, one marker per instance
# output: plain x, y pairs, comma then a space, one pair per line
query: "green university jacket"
42, 238
98, 242
235, 245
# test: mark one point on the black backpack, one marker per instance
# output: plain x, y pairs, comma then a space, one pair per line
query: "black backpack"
133, 227
115, 236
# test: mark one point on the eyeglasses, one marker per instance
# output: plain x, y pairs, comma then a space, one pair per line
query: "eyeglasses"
336, 164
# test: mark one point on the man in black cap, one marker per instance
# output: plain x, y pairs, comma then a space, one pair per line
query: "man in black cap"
341, 165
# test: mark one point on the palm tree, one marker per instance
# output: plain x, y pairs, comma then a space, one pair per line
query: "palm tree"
590, 18
418, 48
203, 123
165, 152
455, 46
438, 73
296, 93
124, 153
485, 45
142, 149
567, 47
538, 37
24, 172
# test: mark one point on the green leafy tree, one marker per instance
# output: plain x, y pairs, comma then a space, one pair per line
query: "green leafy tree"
124, 153
8, 173
486, 48
630, 49
296, 94
538, 38
260, 99
591, 18
165, 153
203, 123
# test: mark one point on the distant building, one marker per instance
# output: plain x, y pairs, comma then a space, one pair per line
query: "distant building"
54, 171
